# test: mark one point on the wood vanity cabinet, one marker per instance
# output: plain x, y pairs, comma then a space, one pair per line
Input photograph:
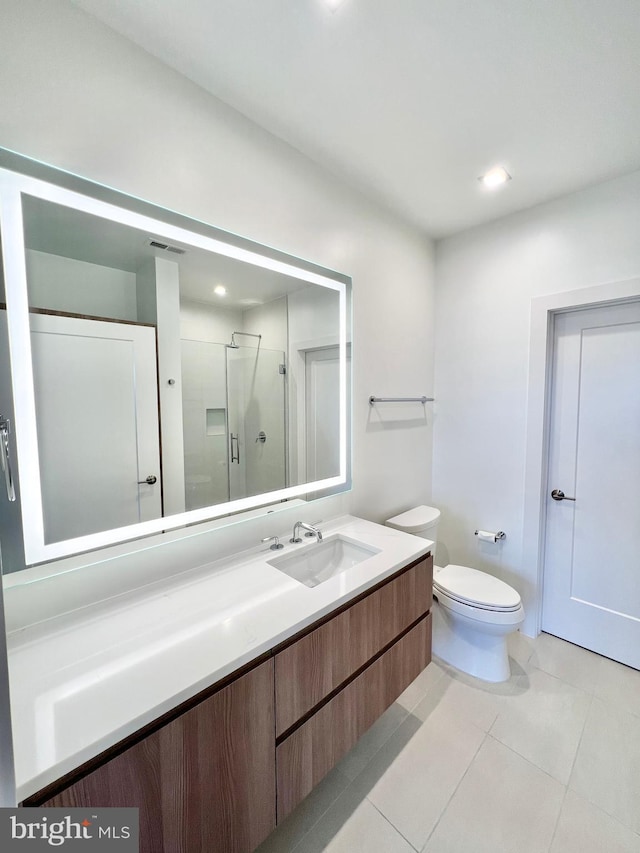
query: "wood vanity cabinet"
335, 681
215, 775
317, 663
306, 755
204, 781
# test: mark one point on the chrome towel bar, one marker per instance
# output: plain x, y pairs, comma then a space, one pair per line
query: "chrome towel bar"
423, 400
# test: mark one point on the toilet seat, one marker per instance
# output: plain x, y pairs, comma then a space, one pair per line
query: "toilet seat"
494, 618
475, 589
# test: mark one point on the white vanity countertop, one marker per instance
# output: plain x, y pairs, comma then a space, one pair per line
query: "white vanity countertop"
82, 682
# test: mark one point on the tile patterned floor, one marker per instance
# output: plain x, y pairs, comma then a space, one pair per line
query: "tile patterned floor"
548, 762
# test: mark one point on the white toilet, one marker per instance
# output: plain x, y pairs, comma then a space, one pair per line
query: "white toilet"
473, 612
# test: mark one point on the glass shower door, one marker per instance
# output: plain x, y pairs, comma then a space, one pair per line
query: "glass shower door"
257, 421
204, 419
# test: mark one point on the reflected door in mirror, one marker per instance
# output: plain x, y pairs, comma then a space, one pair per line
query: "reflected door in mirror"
96, 404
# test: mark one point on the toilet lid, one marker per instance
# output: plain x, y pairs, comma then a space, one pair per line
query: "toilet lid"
469, 586
415, 520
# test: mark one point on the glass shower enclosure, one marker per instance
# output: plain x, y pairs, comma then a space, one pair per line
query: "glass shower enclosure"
234, 421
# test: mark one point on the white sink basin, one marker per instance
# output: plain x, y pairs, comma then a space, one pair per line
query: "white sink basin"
316, 563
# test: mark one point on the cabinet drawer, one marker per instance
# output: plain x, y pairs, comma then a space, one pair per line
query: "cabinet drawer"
305, 756
322, 660
205, 781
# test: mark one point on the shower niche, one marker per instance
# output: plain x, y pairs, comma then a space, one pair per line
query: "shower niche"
159, 366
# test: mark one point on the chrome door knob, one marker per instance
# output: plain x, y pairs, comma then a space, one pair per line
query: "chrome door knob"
559, 495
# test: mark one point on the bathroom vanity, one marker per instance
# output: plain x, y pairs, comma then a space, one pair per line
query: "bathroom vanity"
297, 675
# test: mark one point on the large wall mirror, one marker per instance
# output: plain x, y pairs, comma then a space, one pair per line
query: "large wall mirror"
163, 372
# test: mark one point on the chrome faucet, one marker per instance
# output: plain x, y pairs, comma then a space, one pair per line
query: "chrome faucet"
313, 531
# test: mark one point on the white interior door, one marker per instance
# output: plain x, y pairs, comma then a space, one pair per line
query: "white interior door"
97, 411
592, 550
322, 412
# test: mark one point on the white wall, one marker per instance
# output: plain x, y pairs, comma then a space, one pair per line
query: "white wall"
268, 320
486, 279
65, 284
314, 316
202, 322
79, 96
167, 284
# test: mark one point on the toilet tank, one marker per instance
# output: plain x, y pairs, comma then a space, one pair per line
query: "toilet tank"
421, 521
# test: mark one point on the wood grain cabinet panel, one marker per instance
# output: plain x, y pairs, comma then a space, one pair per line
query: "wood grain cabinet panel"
203, 782
305, 756
319, 662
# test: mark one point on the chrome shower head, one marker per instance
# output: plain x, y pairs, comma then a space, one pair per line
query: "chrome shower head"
234, 345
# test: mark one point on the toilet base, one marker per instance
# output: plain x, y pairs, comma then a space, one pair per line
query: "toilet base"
477, 648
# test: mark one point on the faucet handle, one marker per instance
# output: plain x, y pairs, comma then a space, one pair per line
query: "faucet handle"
277, 545
295, 539
309, 534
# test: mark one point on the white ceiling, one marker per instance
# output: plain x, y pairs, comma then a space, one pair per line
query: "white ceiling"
411, 100
60, 230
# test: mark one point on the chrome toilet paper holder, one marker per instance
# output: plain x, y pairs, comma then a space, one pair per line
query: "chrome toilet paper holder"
490, 535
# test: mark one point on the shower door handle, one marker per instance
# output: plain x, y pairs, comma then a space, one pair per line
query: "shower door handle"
5, 457
235, 457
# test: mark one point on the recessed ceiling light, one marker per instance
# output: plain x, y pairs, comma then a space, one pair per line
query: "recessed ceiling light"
333, 4
495, 177
220, 290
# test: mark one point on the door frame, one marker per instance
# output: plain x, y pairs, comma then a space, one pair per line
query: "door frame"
543, 312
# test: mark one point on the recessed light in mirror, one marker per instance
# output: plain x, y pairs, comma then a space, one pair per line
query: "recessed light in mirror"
220, 290
495, 177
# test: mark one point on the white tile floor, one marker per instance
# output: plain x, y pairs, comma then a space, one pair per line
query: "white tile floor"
548, 761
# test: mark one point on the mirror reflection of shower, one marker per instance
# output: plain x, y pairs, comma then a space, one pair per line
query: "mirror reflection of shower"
234, 419
234, 345
256, 393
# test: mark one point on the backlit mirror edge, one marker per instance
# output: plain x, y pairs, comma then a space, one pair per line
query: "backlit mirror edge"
13, 184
